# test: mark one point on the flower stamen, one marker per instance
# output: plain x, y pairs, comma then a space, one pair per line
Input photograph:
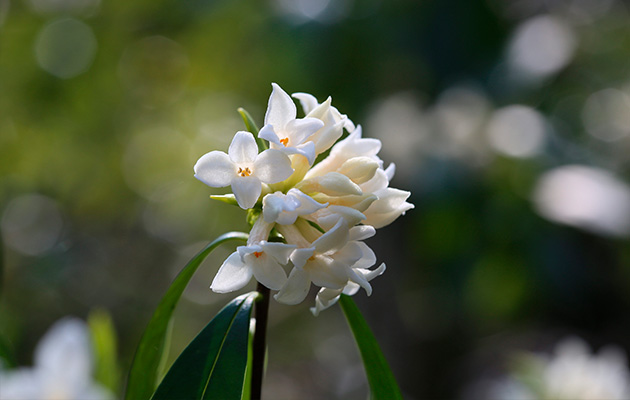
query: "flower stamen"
244, 172
285, 141
258, 253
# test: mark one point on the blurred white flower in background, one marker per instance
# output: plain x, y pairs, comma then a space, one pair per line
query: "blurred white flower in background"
572, 372
584, 197
62, 368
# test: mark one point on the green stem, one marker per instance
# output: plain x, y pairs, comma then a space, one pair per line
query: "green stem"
261, 314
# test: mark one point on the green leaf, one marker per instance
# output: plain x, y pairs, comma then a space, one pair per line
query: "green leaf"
251, 127
225, 198
105, 349
382, 383
247, 384
145, 369
214, 364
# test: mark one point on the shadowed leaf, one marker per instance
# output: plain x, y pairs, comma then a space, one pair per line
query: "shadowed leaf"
145, 369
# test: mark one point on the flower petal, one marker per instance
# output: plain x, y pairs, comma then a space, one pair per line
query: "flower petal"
269, 134
307, 204
325, 298
350, 254
334, 239
215, 169
280, 108
280, 251
300, 129
300, 256
362, 232
390, 205
243, 149
368, 258
360, 279
307, 101
354, 145
327, 272
246, 189
295, 289
272, 166
268, 271
233, 275
63, 354
378, 182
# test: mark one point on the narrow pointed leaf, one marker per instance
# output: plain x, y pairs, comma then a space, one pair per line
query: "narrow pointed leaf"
247, 384
105, 347
214, 364
226, 198
382, 383
253, 128
145, 369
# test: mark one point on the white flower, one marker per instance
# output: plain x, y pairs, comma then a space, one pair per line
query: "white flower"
390, 203
571, 373
329, 261
263, 260
327, 297
352, 146
328, 217
285, 208
333, 120
312, 108
62, 368
283, 131
574, 373
243, 168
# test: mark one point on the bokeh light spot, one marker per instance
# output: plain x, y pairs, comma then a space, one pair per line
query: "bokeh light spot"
517, 131
542, 46
585, 197
606, 115
65, 48
31, 224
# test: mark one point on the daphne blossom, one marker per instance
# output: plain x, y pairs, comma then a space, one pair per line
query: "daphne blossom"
62, 369
284, 131
243, 168
323, 210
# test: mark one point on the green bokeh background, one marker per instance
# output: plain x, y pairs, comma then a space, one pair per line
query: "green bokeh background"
102, 120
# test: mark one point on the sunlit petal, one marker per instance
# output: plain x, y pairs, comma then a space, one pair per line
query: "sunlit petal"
243, 149
232, 275
280, 108
272, 166
215, 169
246, 189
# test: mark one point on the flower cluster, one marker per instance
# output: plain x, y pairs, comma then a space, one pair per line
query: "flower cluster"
323, 210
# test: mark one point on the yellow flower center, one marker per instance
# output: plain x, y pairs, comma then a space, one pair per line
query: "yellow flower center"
258, 253
244, 172
285, 141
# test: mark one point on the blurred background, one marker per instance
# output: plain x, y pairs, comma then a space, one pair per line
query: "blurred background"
509, 121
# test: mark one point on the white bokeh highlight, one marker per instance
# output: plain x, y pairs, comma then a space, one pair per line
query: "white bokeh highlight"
584, 197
